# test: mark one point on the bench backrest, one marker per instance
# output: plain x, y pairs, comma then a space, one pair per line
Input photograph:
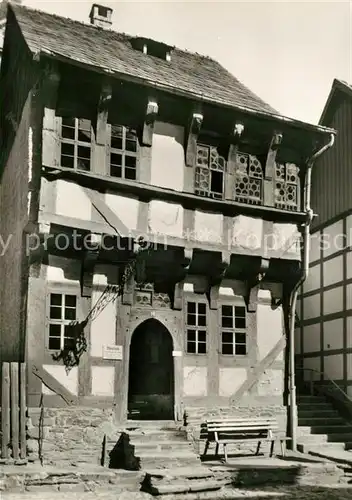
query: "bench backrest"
241, 426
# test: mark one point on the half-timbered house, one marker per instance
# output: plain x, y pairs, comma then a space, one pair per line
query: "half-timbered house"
152, 208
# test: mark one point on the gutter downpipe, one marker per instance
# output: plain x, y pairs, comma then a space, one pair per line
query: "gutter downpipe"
294, 293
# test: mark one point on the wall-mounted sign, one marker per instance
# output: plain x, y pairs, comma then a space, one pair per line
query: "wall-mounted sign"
112, 352
177, 354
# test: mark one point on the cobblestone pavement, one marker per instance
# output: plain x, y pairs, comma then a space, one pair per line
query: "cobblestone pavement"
340, 492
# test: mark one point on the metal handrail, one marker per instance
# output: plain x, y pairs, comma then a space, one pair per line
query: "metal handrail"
326, 378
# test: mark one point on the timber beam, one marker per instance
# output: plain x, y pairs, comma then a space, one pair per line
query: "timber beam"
149, 120
235, 140
269, 177
253, 284
191, 138
90, 258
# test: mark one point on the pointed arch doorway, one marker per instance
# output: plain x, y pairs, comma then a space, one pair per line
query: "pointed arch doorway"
151, 373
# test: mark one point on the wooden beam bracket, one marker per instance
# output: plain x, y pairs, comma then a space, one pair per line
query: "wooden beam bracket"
188, 257
150, 117
253, 284
90, 258
191, 138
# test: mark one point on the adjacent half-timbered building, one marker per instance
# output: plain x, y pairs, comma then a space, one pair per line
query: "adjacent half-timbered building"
324, 338
152, 208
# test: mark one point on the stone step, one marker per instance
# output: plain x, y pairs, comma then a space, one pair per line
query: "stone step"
306, 405
156, 424
302, 398
316, 421
164, 462
313, 413
182, 487
308, 447
178, 446
325, 429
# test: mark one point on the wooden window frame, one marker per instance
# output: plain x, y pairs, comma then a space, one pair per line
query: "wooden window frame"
196, 328
76, 143
63, 291
233, 330
123, 152
198, 168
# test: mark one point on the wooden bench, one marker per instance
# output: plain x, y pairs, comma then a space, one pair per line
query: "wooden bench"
241, 430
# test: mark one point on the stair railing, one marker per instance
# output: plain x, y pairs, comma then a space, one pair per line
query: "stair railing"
312, 371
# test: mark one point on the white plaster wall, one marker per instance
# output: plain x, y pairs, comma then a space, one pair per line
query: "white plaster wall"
332, 241
269, 329
333, 334
311, 338
271, 383
195, 380
165, 218
311, 306
61, 270
285, 238
349, 265
167, 168
231, 379
313, 280
71, 201
69, 381
103, 380
333, 300
333, 367
125, 208
349, 367
315, 245
349, 331
247, 232
349, 230
232, 288
333, 271
208, 227
103, 327
349, 297
313, 364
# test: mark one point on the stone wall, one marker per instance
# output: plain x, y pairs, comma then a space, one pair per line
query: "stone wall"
70, 436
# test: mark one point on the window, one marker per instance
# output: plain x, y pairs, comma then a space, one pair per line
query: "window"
62, 312
196, 327
248, 180
76, 138
123, 153
233, 330
209, 172
287, 186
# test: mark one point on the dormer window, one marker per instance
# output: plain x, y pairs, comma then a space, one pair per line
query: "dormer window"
152, 48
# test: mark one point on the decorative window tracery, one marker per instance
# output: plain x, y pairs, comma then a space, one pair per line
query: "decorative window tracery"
209, 172
248, 186
287, 186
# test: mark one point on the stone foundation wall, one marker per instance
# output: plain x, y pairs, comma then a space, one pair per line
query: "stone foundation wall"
69, 436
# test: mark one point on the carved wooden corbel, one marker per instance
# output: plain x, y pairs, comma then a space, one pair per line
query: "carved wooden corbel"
102, 113
231, 159
90, 257
253, 285
187, 259
216, 279
150, 117
191, 139
269, 178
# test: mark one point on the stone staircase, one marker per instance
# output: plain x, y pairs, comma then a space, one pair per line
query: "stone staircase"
152, 445
321, 427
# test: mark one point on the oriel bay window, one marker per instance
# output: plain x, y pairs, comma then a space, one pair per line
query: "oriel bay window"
62, 313
196, 328
123, 153
76, 136
209, 172
233, 330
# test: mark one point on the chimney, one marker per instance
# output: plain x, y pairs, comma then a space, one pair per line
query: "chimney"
100, 15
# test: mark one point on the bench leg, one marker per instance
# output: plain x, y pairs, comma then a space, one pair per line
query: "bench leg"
225, 452
217, 450
258, 447
206, 448
272, 444
283, 447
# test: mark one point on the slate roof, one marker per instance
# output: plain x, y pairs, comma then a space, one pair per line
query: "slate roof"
192, 73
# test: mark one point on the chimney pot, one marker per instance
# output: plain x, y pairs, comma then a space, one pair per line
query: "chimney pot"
100, 15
